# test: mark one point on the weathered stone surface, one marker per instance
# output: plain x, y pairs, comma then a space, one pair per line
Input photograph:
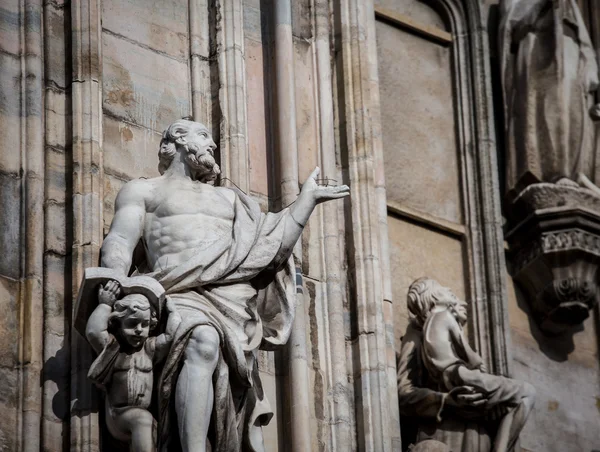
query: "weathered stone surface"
565, 369
112, 185
418, 117
416, 10
54, 297
158, 25
56, 41
9, 324
10, 112
58, 118
57, 175
137, 90
261, 162
9, 405
130, 151
10, 190
10, 27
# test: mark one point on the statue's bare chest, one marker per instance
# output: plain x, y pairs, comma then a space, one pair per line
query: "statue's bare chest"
193, 199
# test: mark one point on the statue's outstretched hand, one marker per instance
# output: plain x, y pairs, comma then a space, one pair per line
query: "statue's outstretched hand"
109, 292
321, 193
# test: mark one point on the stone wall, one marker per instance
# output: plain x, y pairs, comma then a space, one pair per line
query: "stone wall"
88, 86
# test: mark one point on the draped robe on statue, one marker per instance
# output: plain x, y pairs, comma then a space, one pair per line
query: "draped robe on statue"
420, 403
239, 286
549, 70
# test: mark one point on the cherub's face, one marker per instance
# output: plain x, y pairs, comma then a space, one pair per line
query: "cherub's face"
135, 327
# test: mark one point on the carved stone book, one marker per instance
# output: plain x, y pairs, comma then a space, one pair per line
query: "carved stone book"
93, 277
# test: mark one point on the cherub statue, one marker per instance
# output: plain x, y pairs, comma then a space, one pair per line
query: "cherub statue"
453, 364
119, 330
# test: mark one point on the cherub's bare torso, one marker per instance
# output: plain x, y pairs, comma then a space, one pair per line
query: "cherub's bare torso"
132, 379
183, 218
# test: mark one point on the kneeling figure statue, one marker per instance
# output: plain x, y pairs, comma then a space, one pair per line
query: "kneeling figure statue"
454, 366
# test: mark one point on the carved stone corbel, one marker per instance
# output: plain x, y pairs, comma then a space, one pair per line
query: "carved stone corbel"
554, 240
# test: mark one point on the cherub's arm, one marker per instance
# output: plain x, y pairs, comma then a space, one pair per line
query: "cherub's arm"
163, 341
96, 329
462, 345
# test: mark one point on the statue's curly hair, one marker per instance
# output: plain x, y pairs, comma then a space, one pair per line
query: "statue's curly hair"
128, 305
168, 148
422, 296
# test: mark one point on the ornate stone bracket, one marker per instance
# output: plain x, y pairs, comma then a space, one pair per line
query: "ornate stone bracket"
554, 239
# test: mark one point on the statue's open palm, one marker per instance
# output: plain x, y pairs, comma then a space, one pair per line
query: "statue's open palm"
322, 193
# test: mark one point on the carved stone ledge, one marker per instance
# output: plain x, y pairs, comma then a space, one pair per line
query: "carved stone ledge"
554, 240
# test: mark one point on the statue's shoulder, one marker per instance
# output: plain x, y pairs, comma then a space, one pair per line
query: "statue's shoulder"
136, 191
228, 193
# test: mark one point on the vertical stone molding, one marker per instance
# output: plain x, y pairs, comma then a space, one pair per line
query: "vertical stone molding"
31, 226
358, 67
233, 143
382, 215
477, 144
87, 200
56, 372
200, 60
287, 150
340, 404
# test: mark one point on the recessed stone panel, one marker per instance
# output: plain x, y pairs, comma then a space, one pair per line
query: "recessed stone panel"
416, 251
418, 123
417, 10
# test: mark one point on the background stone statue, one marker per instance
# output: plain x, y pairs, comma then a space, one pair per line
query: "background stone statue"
549, 71
440, 376
227, 269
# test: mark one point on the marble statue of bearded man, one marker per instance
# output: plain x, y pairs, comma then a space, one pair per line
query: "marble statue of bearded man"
227, 268
549, 71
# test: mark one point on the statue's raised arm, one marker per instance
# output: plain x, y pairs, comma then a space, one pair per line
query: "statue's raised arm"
126, 228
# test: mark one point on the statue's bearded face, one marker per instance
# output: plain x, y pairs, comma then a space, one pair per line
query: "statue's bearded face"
200, 154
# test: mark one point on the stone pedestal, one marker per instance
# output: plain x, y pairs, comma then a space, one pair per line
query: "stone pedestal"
553, 232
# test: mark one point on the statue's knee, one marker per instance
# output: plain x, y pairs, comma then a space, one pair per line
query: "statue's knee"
144, 419
203, 344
